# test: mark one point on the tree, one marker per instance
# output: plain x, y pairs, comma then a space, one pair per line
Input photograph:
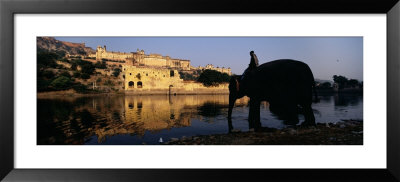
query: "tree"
61, 83
46, 59
42, 84
48, 74
353, 83
100, 65
66, 74
326, 85
87, 68
85, 76
73, 66
341, 81
187, 76
212, 78
77, 74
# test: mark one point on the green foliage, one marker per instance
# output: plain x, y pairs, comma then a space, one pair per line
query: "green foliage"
77, 74
100, 65
108, 83
74, 66
188, 76
60, 53
80, 88
86, 66
47, 74
64, 60
353, 83
61, 83
46, 60
85, 76
66, 74
213, 78
326, 85
341, 81
116, 72
43, 85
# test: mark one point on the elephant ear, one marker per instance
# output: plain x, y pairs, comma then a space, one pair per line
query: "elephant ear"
234, 84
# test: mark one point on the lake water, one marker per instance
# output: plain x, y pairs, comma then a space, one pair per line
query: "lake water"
121, 120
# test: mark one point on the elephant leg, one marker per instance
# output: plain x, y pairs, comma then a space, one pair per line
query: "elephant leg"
309, 116
291, 114
230, 126
254, 114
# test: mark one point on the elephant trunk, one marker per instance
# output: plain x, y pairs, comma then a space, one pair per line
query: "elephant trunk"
233, 93
232, 99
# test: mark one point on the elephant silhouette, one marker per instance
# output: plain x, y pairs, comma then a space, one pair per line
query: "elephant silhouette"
286, 84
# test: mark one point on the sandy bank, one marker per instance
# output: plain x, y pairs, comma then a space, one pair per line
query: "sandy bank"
349, 132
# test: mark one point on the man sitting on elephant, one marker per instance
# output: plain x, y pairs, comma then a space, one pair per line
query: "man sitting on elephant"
247, 73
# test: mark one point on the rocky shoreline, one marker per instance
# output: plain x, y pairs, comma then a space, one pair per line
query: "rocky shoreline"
346, 132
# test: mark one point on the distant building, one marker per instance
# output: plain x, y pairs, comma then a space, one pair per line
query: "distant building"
211, 67
142, 78
139, 58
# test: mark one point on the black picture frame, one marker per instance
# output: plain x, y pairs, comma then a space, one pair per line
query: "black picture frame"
8, 8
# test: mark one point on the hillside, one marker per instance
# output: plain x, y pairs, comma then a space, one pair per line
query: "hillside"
51, 44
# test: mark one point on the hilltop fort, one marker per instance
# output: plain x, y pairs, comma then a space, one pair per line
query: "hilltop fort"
130, 72
139, 58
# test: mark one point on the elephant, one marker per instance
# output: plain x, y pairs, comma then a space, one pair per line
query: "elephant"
286, 84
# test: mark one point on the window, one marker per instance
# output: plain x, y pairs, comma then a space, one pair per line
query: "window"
139, 84
131, 84
171, 73
130, 73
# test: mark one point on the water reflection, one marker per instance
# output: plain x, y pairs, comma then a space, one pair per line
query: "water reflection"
144, 119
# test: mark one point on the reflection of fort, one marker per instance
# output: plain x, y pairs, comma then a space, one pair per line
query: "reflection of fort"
155, 113
134, 115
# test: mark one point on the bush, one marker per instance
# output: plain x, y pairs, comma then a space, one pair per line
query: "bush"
48, 74
42, 85
80, 88
326, 85
88, 68
85, 76
46, 59
108, 83
61, 83
213, 78
64, 60
66, 74
73, 66
77, 74
116, 72
100, 65
187, 76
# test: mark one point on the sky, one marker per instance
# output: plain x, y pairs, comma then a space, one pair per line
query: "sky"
326, 56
